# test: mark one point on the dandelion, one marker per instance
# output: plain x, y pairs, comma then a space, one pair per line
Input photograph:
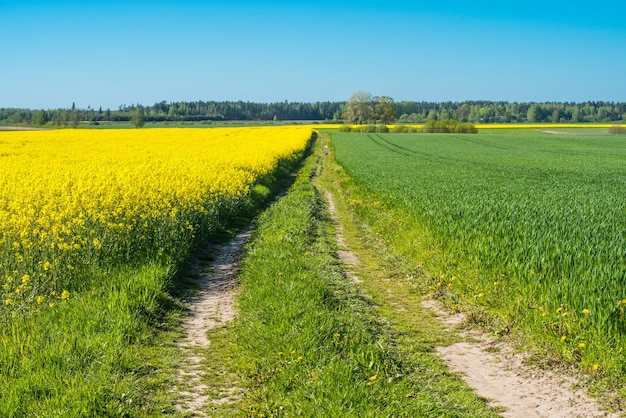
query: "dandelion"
40, 299
596, 367
65, 295
563, 338
374, 377
582, 345
586, 311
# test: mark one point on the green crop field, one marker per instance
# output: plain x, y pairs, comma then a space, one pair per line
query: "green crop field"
529, 227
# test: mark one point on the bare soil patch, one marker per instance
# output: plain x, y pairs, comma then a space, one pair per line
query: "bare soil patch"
211, 307
553, 132
503, 376
343, 251
21, 128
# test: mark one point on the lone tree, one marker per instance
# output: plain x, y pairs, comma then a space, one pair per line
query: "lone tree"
383, 106
359, 108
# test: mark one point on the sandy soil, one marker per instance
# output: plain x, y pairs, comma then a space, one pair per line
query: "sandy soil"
343, 251
499, 374
20, 128
553, 132
213, 306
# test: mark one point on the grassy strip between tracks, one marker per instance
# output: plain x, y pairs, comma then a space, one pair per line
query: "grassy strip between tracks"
309, 343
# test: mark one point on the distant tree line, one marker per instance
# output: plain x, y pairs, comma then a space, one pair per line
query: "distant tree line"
505, 112
177, 112
378, 109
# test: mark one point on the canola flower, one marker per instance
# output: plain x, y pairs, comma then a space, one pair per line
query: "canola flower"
71, 200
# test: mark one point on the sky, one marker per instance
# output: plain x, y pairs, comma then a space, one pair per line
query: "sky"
110, 53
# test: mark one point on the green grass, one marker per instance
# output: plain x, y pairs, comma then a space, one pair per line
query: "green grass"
524, 230
107, 351
310, 343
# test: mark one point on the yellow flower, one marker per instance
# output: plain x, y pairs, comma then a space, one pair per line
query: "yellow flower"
596, 366
373, 377
65, 295
563, 338
40, 299
25, 279
586, 311
582, 345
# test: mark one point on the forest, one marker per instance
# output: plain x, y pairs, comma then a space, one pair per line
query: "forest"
404, 112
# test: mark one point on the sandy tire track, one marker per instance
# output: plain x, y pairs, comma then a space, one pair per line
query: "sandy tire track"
211, 307
499, 374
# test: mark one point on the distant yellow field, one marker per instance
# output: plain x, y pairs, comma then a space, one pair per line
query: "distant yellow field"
544, 125
496, 125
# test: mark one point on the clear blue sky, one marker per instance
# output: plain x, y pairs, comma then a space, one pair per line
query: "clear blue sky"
109, 53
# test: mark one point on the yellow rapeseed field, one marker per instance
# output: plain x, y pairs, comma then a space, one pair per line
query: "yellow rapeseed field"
73, 199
